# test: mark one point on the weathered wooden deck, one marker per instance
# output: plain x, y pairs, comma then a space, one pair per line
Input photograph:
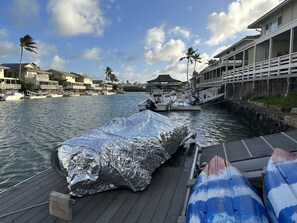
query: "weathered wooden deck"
161, 201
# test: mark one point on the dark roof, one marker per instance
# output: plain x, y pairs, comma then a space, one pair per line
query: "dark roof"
14, 66
164, 78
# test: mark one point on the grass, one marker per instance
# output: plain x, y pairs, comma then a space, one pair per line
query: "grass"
285, 103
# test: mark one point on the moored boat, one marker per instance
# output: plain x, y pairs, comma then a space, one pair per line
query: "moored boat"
222, 194
12, 96
54, 95
280, 187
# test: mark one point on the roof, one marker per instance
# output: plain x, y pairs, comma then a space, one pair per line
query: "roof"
3, 67
14, 66
245, 39
164, 78
258, 22
61, 72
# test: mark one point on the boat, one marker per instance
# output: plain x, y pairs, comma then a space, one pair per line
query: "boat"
185, 102
280, 187
54, 95
33, 95
108, 93
222, 194
12, 96
158, 101
91, 93
71, 94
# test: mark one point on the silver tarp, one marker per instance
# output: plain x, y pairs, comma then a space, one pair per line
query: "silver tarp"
122, 153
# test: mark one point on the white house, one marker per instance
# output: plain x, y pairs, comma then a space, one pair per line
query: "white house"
265, 64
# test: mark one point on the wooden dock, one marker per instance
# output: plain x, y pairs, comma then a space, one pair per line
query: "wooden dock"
250, 156
161, 201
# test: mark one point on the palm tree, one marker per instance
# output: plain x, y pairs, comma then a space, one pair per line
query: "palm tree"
110, 76
189, 55
196, 57
28, 43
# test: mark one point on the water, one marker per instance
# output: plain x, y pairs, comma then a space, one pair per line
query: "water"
29, 129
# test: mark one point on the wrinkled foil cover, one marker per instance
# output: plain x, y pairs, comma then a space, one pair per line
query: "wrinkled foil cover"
123, 153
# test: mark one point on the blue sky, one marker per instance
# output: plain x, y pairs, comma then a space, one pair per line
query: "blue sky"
138, 39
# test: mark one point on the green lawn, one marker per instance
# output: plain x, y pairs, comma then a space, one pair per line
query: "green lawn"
285, 103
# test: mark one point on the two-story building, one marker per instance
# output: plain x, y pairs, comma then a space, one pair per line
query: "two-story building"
72, 84
7, 83
260, 65
30, 72
92, 86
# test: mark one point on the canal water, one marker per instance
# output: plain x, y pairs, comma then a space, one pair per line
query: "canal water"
29, 129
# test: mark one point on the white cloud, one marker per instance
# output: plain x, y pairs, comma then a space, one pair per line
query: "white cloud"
3, 33
157, 50
180, 31
44, 48
58, 63
8, 49
129, 69
76, 17
25, 12
241, 13
92, 54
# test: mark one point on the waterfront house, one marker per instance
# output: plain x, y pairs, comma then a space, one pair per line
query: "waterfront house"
105, 87
91, 86
32, 73
260, 65
7, 83
71, 78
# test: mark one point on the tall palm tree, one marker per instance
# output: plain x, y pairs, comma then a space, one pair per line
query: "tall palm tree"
189, 55
28, 43
196, 57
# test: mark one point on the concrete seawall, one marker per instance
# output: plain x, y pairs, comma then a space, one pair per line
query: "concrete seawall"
265, 120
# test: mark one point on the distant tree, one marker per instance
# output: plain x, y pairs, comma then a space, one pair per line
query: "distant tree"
189, 55
80, 78
10, 73
28, 43
61, 80
110, 76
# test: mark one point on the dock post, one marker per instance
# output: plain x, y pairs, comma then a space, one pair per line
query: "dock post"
60, 205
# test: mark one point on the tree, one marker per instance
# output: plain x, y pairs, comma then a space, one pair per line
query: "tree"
189, 55
110, 76
196, 57
211, 62
28, 43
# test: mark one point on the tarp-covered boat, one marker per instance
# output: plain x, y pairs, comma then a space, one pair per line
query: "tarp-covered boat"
122, 153
222, 194
280, 187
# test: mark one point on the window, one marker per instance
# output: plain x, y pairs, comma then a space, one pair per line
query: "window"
273, 25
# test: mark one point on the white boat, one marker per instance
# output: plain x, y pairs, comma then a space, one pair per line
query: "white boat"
71, 94
91, 93
157, 102
185, 102
108, 92
33, 95
12, 96
54, 95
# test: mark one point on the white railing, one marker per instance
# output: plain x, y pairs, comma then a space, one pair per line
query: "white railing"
280, 66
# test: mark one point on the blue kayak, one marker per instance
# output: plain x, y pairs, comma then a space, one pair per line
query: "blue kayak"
280, 187
222, 194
